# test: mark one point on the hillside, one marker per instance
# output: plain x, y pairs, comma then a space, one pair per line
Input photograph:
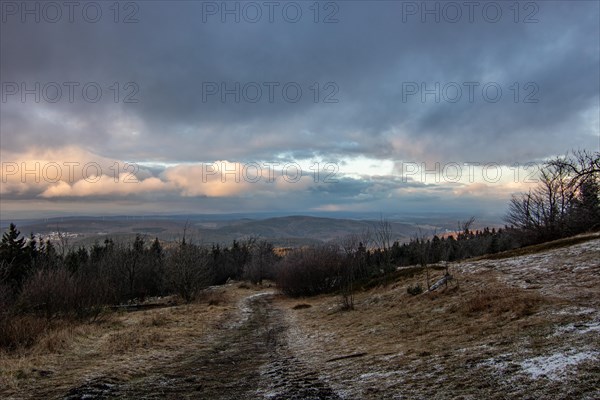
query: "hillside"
519, 327
526, 326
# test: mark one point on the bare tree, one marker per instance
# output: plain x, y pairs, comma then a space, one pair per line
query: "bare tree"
465, 226
565, 201
423, 252
580, 165
188, 270
542, 212
350, 245
6, 292
262, 260
383, 239
50, 292
132, 264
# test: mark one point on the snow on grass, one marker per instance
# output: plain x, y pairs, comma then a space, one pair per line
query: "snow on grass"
581, 328
544, 262
379, 375
555, 366
575, 311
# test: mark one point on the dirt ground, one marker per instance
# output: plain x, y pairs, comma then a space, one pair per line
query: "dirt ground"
519, 327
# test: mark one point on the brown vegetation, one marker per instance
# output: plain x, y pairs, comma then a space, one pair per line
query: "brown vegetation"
457, 337
122, 345
471, 340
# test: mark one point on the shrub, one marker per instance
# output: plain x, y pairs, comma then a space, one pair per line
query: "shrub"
6, 297
50, 292
414, 290
55, 291
260, 265
20, 331
188, 271
310, 271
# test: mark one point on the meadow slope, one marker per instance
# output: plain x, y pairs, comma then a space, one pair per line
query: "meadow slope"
525, 326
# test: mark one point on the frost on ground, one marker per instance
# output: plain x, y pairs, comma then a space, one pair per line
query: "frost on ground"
245, 310
547, 271
581, 328
555, 366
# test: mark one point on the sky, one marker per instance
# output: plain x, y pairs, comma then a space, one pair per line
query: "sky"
153, 107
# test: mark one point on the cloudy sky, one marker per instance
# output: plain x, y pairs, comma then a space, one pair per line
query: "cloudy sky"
211, 107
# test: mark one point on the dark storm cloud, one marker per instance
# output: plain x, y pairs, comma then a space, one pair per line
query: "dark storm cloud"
370, 55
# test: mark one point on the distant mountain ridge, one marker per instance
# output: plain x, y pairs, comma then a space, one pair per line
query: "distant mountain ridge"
294, 230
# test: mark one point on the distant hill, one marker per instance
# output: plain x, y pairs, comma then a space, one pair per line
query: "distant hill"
289, 231
303, 230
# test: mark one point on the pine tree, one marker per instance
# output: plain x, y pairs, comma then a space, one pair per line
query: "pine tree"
156, 248
15, 256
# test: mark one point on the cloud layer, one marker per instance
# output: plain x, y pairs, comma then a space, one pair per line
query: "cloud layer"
387, 83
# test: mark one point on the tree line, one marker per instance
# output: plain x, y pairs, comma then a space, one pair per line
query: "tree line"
51, 280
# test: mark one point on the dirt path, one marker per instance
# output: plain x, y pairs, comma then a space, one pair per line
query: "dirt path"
249, 359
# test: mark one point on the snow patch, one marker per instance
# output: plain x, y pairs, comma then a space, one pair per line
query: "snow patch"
554, 367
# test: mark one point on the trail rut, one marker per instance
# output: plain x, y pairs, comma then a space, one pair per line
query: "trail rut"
249, 359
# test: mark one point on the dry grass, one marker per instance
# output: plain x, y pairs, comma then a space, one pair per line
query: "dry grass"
214, 297
60, 339
131, 340
301, 306
390, 320
21, 364
446, 343
468, 340
497, 301
21, 331
124, 346
555, 244
155, 319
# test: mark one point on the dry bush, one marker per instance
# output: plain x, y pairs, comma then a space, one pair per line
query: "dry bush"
261, 263
311, 271
56, 291
188, 270
50, 299
21, 331
49, 292
498, 301
414, 290
6, 297
216, 298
